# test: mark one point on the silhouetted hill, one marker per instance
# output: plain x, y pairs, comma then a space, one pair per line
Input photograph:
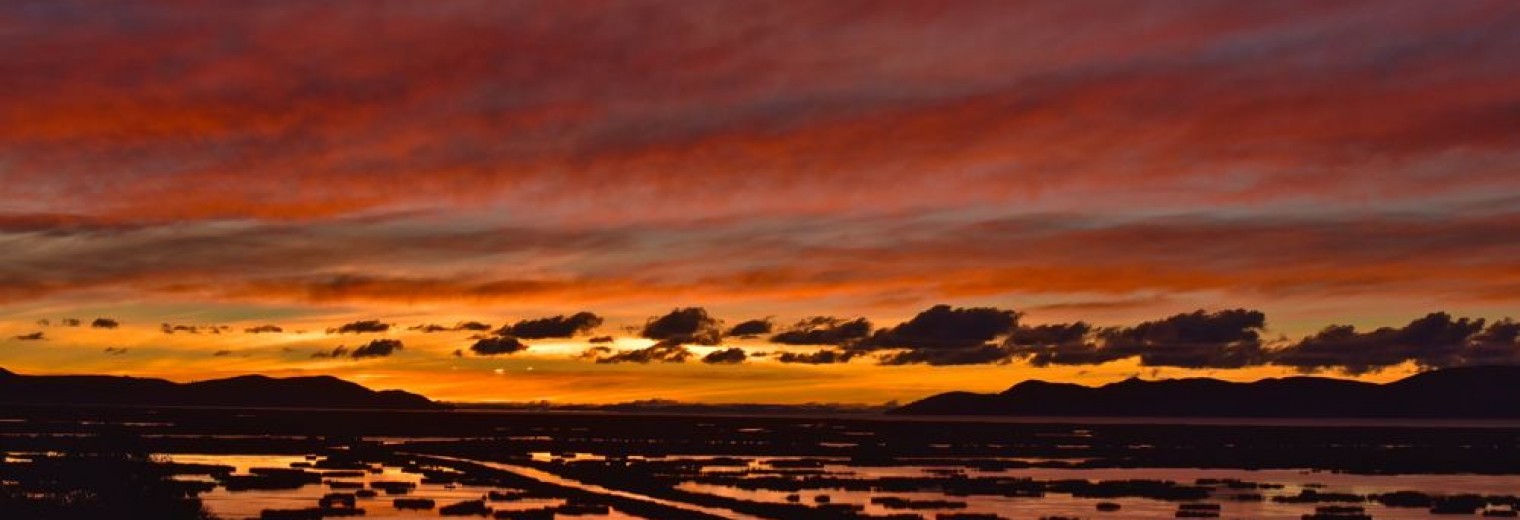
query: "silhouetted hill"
667, 407
243, 392
1474, 392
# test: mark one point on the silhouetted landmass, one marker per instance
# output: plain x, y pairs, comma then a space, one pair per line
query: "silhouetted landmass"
112, 477
1473, 392
661, 406
239, 392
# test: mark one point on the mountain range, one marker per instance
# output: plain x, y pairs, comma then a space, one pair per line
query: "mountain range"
1468, 392
252, 391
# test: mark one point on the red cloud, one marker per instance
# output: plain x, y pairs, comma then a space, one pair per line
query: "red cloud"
299, 112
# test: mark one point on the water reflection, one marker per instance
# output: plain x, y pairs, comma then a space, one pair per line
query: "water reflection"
248, 504
945, 489
812, 468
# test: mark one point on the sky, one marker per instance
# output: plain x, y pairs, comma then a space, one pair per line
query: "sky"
894, 198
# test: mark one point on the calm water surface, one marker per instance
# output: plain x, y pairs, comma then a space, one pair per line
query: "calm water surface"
248, 504
234, 505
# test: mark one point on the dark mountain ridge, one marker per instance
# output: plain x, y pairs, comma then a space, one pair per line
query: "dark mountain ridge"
251, 391
1468, 392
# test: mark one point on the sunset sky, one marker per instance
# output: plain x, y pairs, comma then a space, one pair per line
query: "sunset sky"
222, 188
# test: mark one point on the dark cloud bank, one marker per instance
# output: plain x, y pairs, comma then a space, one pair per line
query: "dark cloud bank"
1233, 339
361, 327
508, 338
674, 330
497, 346
946, 335
728, 356
373, 349
751, 328
472, 326
1224, 339
824, 330
553, 327
170, 328
663, 352
689, 325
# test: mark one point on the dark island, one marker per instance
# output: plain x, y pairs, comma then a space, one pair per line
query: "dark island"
251, 391
1489, 392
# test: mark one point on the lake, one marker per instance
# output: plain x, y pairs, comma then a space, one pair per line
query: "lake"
672, 466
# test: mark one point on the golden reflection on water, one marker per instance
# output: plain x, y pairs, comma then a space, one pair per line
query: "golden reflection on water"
237, 505
248, 504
